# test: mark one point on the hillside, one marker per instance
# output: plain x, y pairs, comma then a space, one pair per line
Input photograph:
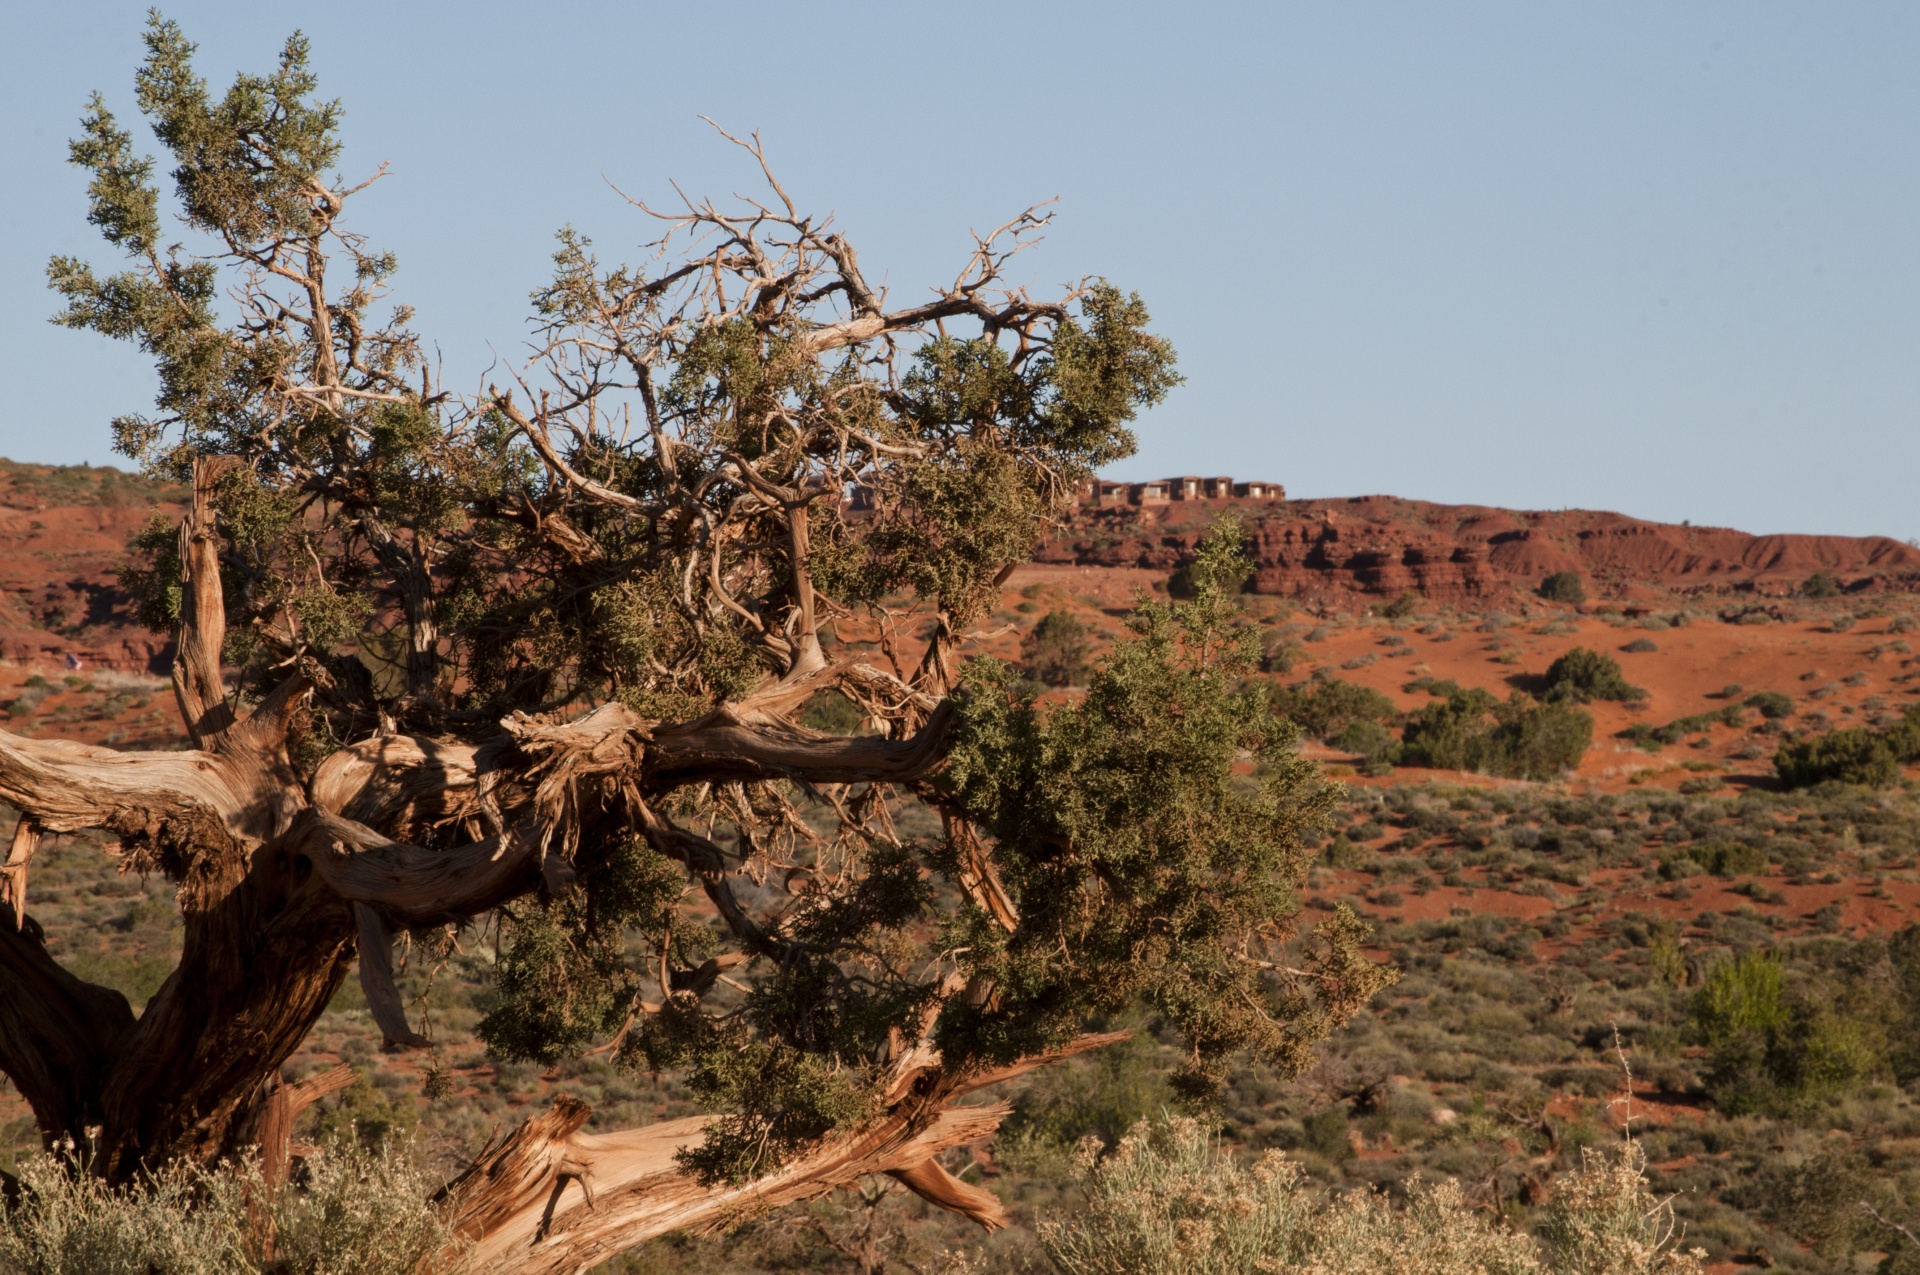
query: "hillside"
1343, 552
63, 534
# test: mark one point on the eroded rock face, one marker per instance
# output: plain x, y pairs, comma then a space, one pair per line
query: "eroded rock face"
1371, 546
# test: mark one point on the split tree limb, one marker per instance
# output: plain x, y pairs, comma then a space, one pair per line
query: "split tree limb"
283, 1105
376, 982
203, 615
13, 874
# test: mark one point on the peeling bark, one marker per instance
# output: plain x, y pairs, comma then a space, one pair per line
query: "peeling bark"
13, 873
552, 1200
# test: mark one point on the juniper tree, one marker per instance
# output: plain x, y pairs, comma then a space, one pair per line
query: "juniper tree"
540, 655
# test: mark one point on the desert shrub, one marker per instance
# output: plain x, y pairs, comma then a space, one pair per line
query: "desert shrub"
1325, 707
1773, 1052
1903, 739
1653, 737
1056, 650
1563, 587
1820, 585
1281, 655
1581, 676
1471, 730
1373, 742
354, 1211
1169, 1200
1771, 705
1731, 859
1851, 756
1605, 1220
1401, 607
1817, 1200
1641, 646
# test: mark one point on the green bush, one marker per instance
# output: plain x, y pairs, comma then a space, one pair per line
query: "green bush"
1820, 585
832, 712
1325, 707
1563, 587
1731, 859
1372, 742
1851, 756
1519, 738
1652, 738
1776, 1053
1401, 607
1056, 650
1771, 705
1582, 676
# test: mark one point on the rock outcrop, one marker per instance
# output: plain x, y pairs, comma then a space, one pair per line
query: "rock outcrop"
1371, 546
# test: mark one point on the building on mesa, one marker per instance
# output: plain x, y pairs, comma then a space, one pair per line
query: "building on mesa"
1103, 493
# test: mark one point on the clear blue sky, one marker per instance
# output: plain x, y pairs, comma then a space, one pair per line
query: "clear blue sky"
1653, 257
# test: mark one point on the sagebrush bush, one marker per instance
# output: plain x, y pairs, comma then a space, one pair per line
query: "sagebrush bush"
354, 1211
1170, 1200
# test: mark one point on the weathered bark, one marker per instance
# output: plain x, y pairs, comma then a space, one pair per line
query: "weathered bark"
282, 1105
552, 1200
197, 682
13, 873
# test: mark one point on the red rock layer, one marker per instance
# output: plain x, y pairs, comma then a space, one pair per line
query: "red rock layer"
1382, 545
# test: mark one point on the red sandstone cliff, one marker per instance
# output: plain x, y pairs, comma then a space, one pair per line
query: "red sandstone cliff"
1382, 545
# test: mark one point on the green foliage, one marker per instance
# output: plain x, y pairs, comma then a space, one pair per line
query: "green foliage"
1851, 756
1855, 755
1731, 859
1771, 705
563, 978
1326, 707
353, 1210
1056, 651
1129, 844
1401, 607
1101, 1096
1652, 738
1471, 730
1820, 584
832, 712
1581, 676
1563, 587
1372, 742
1775, 1051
